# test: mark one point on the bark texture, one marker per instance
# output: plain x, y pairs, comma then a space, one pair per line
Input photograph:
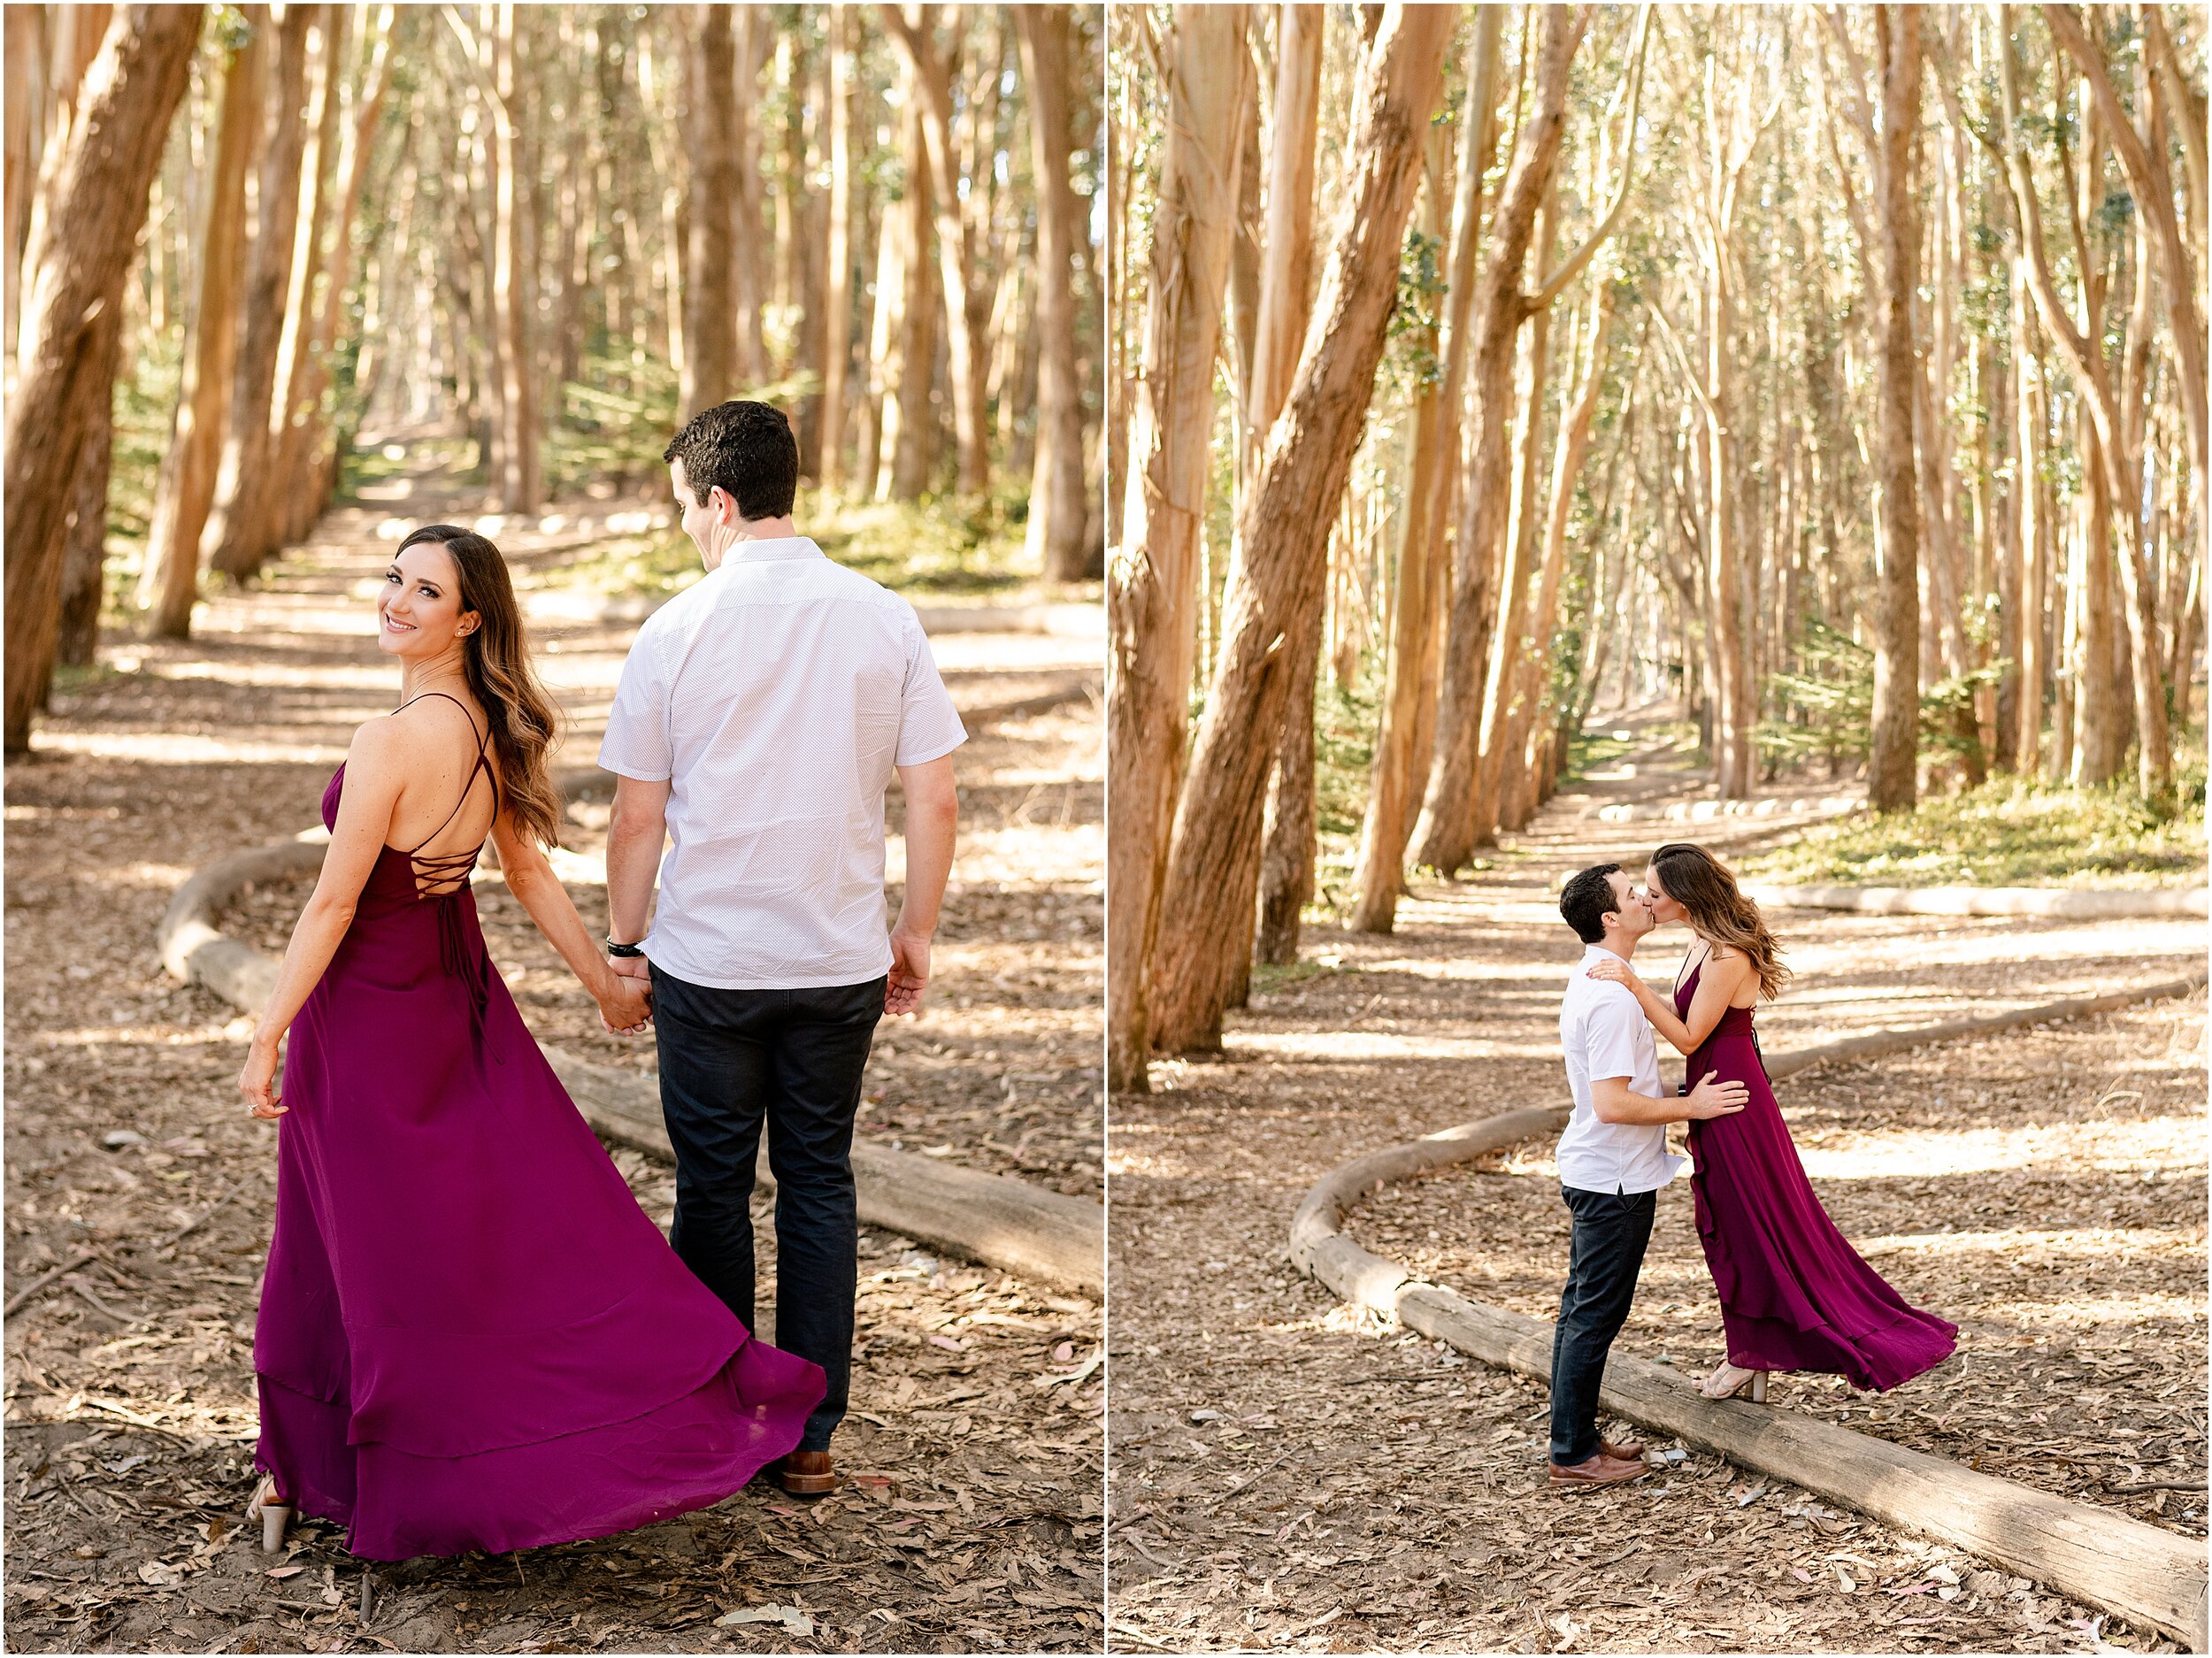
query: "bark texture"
96, 205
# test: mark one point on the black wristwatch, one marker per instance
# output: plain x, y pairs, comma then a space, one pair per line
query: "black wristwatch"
623, 950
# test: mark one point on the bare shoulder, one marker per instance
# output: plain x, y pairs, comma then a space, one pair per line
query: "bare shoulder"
377, 743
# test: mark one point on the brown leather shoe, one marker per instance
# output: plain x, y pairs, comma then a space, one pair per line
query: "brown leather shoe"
1599, 1470
1626, 1451
807, 1474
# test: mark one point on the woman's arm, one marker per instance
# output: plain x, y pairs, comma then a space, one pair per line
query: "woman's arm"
1722, 977
374, 775
1657, 1008
622, 1001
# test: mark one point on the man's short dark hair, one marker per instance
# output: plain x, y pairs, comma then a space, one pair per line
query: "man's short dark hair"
1587, 899
744, 447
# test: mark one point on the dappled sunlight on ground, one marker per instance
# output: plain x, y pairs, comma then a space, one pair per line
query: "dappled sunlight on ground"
1281, 1459
977, 1428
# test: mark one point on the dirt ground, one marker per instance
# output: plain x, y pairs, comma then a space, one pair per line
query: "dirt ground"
973, 1519
1289, 1474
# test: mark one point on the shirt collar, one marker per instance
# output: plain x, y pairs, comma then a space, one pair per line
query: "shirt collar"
782, 546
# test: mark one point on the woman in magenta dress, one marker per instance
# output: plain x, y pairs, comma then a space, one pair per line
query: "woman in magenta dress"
1794, 1295
470, 1335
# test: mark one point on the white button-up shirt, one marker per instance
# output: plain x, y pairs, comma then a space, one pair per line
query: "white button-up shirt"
1603, 1033
776, 696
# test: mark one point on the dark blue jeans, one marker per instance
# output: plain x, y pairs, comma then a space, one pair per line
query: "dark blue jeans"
730, 1060
1610, 1230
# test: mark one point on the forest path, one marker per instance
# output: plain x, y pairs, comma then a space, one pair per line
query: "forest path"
974, 1519
1360, 1487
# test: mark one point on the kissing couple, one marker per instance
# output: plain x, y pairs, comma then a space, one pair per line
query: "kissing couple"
470, 1335
1793, 1293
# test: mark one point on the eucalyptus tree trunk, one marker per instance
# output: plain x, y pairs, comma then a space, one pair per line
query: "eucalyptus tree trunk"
1403, 739
837, 273
185, 485
1059, 499
282, 491
1285, 278
1444, 834
912, 30
229, 540
96, 201
84, 552
1152, 573
710, 365
1574, 451
2085, 357
1283, 531
1893, 779
2032, 418
307, 453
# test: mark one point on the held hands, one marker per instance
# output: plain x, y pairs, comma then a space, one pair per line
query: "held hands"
258, 1081
626, 1006
910, 973
1713, 1097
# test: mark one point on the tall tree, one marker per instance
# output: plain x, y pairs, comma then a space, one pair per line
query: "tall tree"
1444, 834
231, 540
1152, 573
1409, 693
710, 368
1284, 533
94, 208
186, 485
1059, 499
1893, 783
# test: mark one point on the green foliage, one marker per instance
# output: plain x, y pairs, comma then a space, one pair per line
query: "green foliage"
1344, 724
1590, 749
1827, 710
2010, 831
944, 549
1411, 363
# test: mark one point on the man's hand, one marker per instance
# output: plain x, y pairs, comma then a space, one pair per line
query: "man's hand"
1713, 1097
626, 1007
910, 973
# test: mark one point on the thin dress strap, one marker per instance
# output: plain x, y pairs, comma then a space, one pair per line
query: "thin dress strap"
1686, 962
442, 867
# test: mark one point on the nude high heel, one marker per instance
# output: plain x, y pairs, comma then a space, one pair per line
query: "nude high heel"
275, 1516
1728, 1381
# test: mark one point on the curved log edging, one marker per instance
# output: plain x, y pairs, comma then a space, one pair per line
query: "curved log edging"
1023, 1229
2070, 904
2153, 1579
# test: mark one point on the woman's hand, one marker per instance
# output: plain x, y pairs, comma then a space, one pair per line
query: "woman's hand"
258, 1081
1614, 971
625, 1003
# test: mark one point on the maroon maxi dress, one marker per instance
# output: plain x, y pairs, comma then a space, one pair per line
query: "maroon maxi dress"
1794, 1295
471, 1336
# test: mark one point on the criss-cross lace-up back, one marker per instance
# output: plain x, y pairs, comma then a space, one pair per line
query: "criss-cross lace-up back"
441, 873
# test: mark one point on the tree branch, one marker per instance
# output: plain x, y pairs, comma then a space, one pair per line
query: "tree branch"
1634, 89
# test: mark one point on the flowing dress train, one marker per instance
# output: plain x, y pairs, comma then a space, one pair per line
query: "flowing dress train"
1794, 1295
471, 1336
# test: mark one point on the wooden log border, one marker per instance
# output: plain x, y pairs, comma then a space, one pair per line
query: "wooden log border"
2153, 1579
1034, 1233
2067, 904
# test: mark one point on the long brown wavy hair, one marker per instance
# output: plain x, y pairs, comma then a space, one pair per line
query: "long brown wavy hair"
496, 657
1717, 909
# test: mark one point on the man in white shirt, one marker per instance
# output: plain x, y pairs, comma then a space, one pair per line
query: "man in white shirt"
758, 721
1613, 1159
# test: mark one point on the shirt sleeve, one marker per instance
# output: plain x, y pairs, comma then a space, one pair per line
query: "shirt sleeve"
929, 726
1612, 1035
637, 741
